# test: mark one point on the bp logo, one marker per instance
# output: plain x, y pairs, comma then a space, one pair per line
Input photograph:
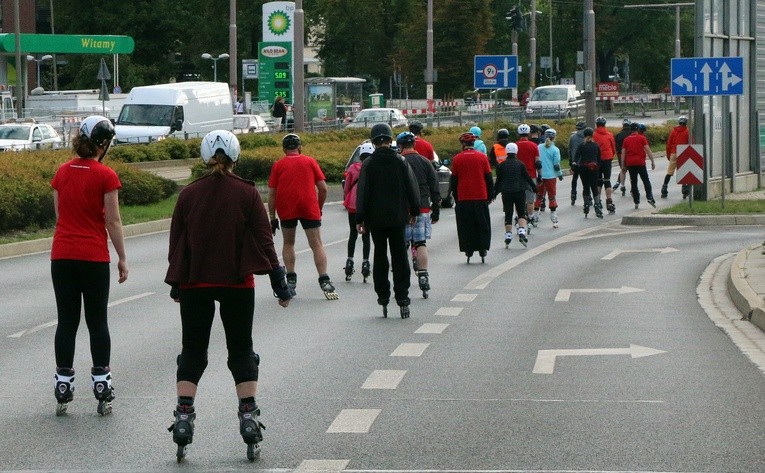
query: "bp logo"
278, 22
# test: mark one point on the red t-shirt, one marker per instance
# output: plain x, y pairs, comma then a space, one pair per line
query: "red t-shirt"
605, 139
470, 167
528, 152
423, 148
81, 226
294, 177
634, 149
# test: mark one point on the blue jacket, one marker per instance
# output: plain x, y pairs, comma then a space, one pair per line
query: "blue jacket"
549, 157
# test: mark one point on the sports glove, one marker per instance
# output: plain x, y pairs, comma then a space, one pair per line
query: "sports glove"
435, 213
556, 167
560, 178
539, 180
282, 290
274, 225
175, 292
538, 164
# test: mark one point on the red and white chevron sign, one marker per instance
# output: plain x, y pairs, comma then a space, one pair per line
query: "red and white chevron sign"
690, 164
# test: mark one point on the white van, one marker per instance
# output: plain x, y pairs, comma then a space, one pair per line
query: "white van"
182, 109
555, 101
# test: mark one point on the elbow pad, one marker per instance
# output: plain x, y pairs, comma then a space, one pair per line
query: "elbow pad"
538, 164
556, 167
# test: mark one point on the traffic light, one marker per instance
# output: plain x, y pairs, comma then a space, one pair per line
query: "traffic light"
515, 17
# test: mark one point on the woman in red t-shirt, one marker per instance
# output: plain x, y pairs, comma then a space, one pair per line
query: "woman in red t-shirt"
87, 207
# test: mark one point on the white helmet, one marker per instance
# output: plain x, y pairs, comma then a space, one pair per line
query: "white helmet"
366, 148
551, 133
524, 129
511, 148
97, 129
220, 139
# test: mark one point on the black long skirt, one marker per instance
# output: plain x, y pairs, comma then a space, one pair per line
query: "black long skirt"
473, 225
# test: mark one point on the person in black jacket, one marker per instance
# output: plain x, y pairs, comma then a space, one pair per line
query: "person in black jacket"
430, 198
387, 198
512, 182
619, 139
587, 159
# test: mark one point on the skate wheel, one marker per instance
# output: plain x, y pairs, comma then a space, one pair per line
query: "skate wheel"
331, 296
180, 454
424, 294
483, 260
104, 408
253, 451
385, 312
61, 409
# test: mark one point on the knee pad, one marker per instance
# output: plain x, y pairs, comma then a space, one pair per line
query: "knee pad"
191, 366
607, 183
418, 244
244, 366
599, 182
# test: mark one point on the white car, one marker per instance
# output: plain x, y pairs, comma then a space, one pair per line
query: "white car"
369, 117
28, 136
250, 124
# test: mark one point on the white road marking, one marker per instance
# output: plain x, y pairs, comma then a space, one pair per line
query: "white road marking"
449, 311
131, 298
384, 379
464, 297
545, 363
336, 242
504, 471
564, 295
323, 465
431, 328
662, 251
353, 421
410, 349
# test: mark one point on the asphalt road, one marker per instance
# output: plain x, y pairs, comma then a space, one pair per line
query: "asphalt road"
529, 362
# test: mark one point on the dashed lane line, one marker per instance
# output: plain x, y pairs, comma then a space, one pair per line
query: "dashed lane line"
432, 328
449, 311
410, 349
464, 297
384, 379
353, 421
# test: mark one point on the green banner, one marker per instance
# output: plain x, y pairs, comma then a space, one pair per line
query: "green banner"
67, 43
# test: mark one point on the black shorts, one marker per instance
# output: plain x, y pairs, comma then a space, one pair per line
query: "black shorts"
305, 223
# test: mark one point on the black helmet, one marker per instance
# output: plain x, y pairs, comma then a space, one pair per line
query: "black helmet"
291, 141
416, 126
600, 121
634, 126
588, 131
544, 127
533, 128
626, 123
503, 134
97, 129
580, 125
380, 131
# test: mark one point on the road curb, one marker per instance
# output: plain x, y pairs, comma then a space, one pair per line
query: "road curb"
650, 218
746, 300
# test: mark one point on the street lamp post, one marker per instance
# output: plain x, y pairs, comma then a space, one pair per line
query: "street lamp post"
47, 57
215, 63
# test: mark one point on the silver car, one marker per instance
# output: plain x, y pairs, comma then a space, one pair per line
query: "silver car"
369, 117
28, 136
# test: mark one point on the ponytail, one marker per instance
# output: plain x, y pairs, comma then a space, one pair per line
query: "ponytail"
219, 163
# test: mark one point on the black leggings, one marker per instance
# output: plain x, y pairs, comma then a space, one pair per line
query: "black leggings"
77, 284
384, 237
514, 200
365, 246
237, 307
642, 172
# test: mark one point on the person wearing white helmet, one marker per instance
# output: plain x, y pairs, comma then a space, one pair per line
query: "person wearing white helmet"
350, 190
549, 156
513, 181
220, 238
678, 136
297, 190
86, 202
528, 154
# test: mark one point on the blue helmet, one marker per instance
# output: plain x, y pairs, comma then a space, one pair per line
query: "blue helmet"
476, 131
404, 138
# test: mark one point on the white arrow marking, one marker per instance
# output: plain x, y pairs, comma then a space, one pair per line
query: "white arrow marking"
706, 71
617, 252
565, 294
728, 79
545, 363
684, 83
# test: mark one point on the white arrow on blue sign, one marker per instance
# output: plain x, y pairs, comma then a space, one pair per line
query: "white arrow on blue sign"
495, 72
707, 76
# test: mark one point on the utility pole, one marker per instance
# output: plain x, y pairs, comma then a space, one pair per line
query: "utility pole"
589, 61
429, 59
298, 76
233, 63
533, 45
17, 31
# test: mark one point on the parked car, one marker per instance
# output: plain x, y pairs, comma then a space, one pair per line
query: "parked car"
28, 136
250, 124
555, 101
370, 116
443, 173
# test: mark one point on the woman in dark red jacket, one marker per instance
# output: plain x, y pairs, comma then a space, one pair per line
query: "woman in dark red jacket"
220, 237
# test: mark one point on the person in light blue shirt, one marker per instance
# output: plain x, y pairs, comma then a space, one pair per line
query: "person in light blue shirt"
479, 144
549, 155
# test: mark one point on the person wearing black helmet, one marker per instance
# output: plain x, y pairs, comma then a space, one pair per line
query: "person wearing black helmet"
577, 138
587, 161
386, 200
634, 151
678, 136
421, 145
618, 140
86, 202
296, 193
498, 153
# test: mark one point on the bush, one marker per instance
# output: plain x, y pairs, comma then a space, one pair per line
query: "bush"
129, 153
25, 202
171, 148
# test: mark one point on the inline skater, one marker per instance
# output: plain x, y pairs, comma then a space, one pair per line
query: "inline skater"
419, 232
479, 145
549, 156
421, 145
576, 139
605, 139
634, 151
513, 181
528, 154
220, 239
349, 202
618, 140
587, 160
497, 153
678, 136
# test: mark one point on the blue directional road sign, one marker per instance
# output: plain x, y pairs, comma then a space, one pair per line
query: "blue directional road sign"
495, 72
707, 76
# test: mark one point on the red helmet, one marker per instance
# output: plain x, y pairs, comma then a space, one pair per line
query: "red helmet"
467, 138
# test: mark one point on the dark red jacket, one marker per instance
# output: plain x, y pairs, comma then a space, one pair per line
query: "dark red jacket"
220, 233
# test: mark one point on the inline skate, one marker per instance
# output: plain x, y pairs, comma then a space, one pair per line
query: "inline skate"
63, 389
183, 429
328, 288
348, 269
102, 389
610, 206
424, 282
365, 270
251, 428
